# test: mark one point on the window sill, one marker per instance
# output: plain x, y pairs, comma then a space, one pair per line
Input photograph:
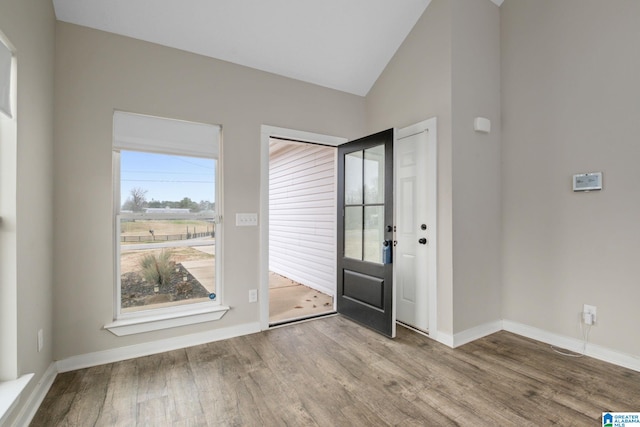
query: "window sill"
10, 395
156, 322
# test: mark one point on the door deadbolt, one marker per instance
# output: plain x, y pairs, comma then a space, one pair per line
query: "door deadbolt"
423, 227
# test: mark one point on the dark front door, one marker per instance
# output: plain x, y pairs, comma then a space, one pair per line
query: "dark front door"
365, 231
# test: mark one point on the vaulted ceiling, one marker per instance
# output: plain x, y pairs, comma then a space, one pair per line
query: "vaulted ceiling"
339, 44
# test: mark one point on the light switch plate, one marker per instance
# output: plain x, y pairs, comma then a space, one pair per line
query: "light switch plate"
246, 219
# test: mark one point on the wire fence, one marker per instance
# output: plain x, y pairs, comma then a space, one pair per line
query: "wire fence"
165, 237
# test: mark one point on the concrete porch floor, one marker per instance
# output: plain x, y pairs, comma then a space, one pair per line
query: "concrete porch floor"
290, 300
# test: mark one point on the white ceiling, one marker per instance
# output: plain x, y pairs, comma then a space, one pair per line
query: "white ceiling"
340, 44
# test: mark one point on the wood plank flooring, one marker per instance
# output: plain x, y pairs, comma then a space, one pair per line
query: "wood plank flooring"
333, 372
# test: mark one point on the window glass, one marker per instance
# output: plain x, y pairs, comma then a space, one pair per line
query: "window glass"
167, 230
8, 212
373, 233
374, 175
353, 232
353, 178
364, 204
6, 59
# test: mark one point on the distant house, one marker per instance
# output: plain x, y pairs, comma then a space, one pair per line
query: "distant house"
166, 210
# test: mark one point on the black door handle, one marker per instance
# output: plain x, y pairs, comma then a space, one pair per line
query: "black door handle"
422, 241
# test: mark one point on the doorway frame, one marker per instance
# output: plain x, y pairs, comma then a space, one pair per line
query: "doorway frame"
267, 132
430, 127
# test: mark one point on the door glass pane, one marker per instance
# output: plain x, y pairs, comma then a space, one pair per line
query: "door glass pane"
353, 232
353, 178
374, 175
373, 233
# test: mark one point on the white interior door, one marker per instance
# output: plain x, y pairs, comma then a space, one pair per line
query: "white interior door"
415, 225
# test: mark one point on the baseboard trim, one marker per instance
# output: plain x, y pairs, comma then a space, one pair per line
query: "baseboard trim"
593, 350
476, 332
145, 349
36, 397
573, 344
442, 338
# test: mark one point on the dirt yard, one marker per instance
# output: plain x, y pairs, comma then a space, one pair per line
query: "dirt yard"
136, 292
130, 260
162, 227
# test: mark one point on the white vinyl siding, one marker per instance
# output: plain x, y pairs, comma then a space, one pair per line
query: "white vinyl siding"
302, 210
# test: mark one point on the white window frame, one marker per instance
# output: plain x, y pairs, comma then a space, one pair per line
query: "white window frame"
165, 137
12, 384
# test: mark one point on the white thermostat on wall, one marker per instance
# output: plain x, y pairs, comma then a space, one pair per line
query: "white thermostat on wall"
587, 181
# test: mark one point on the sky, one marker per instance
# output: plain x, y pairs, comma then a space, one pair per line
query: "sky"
167, 177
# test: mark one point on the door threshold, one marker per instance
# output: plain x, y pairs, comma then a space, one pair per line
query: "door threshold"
413, 328
301, 319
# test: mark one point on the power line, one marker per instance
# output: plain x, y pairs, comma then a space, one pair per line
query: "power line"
166, 180
192, 163
166, 172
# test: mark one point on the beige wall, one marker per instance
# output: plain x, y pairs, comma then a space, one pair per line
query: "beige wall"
570, 104
415, 86
477, 236
30, 25
97, 72
449, 67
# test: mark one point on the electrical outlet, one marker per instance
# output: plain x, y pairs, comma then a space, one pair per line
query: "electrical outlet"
40, 340
589, 314
253, 295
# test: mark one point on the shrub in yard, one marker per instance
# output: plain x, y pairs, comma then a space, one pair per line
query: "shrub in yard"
157, 269
184, 288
